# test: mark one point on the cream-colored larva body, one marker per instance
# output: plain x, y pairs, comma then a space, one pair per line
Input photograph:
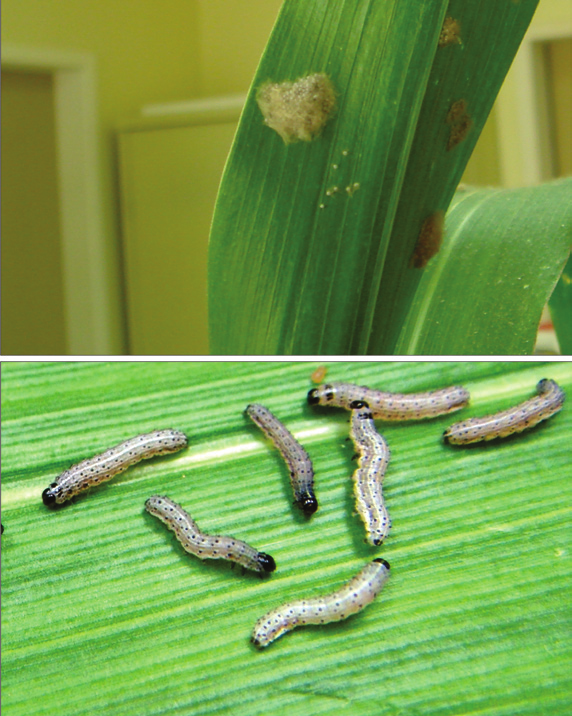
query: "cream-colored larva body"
373, 458
350, 599
296, 458
206, 546
391, 406
549, 401
103, 467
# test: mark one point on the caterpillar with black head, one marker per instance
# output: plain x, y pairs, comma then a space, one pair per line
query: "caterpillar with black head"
112, 462
354, 596
373, 459
391, 406
548, 401
296, 458
206, 546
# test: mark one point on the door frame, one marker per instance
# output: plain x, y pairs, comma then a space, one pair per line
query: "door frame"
522, 121
87, 310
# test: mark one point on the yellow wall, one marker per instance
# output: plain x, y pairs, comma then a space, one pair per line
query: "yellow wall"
32, 294
147, 52
233, 36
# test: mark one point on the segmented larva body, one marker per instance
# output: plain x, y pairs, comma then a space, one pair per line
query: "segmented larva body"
549, 401
206, 546
117, 459
391, 406
373, 453
350, 599
296, 458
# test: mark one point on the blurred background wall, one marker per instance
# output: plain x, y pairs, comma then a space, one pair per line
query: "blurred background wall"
109, 292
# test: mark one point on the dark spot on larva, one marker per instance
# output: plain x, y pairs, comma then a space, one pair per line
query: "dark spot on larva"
460, 122
429, 240
450, 32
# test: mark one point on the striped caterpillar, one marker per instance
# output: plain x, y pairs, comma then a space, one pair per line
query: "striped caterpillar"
349, 599
368, 478
296, 458
117, 459
206, 546
391, 406
548, 401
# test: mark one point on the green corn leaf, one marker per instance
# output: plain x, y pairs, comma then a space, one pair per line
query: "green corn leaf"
501, 258
560, 305
104, 613
311, 242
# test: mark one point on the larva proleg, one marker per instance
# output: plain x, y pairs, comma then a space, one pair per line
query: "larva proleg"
206, 546
354, 596
103, 467
548, 401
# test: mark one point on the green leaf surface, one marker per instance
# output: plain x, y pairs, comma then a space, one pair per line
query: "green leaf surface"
467, 73
501, 258
285, 275
104, 613
560, 306
311, 242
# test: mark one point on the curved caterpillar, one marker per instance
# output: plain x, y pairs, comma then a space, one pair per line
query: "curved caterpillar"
103, 467
349, 599
296, 458
391, 406
206, 546
549, 401
368, 478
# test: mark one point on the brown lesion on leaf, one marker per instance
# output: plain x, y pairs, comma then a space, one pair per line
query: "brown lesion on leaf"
298, 110
460, 122
450, 32
429, 240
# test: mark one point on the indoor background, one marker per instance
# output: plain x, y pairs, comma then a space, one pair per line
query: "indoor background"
117, 116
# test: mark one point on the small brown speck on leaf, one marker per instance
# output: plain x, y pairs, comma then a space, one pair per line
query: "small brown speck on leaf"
450, 32
429, 240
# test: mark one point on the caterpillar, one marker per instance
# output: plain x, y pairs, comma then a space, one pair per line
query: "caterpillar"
368, 478
206, 546
117, 459
296, 458
349, 599
391, 406
548, 401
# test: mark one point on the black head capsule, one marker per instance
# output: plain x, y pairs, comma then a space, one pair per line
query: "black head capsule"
382, 561
313, 397
322, 395
266, 562
358, 404
48, 496
308, 504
